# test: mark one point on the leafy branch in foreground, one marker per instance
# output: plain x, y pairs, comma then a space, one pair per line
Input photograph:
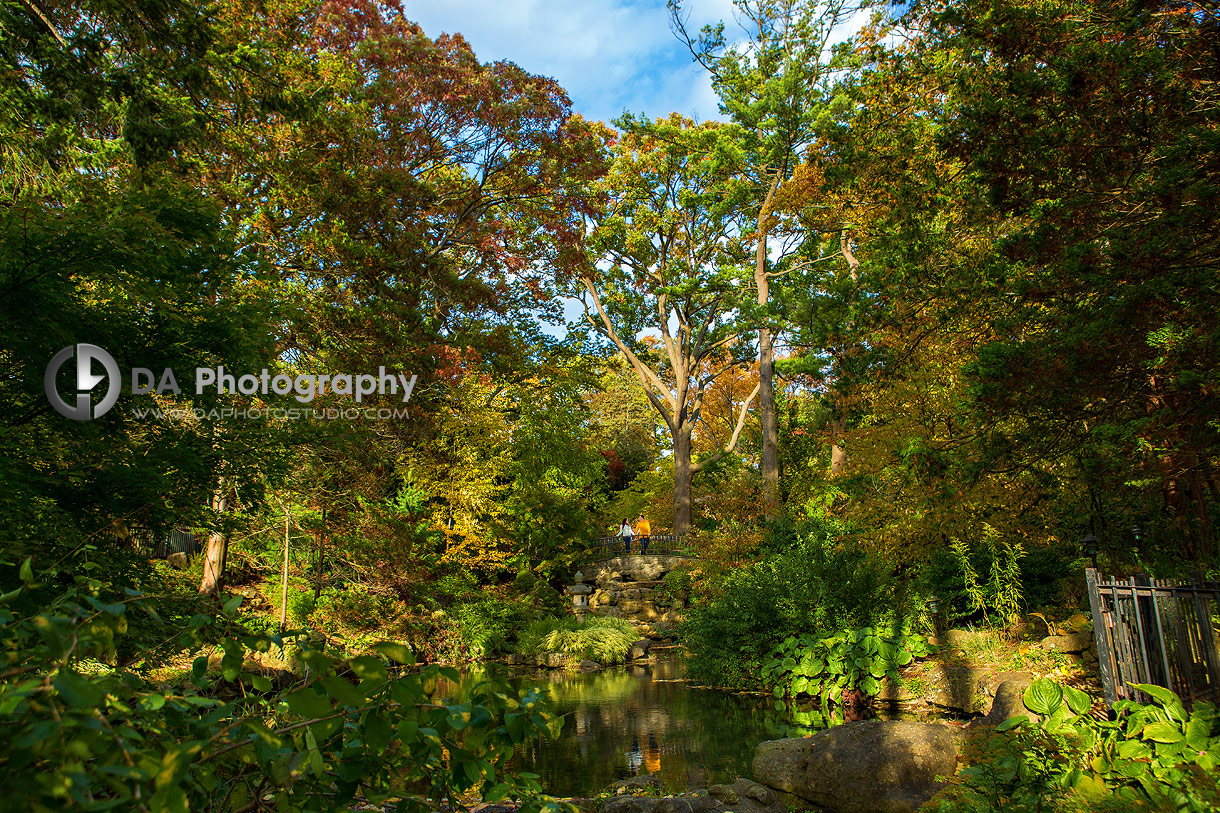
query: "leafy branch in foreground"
77, 733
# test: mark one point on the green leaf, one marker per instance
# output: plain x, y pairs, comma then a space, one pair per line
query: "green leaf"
27, 570
1170, 701
1078, 701
1133, 749
367, 667
308, 703
315, 756
1043, 697
1162, 732
343, 691
152, 702
230, 607
77, 691
1013, 722
1198, 733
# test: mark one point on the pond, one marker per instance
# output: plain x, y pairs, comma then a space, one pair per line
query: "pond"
624, 721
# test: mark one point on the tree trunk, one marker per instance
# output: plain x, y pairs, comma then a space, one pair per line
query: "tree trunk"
284, 578
770, 426
317, 582
838, 455
217, 548
766, 369
683, 474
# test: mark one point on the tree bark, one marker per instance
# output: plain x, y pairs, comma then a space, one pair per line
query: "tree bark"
217, 548
284, 578
683, 476
838, 455
766, 367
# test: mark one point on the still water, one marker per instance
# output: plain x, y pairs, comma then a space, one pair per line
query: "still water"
624, 721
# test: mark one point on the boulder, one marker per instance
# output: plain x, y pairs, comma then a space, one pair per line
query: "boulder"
872, 766
644, 781
177, 561
514, 659
743, 796
640, 649
894, 692
962, 688
552, 660
963, 639
589, 666
1072, 642
1009, 702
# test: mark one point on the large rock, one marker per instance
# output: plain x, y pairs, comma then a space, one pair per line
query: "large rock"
1009, 702
552, 660
1072, 642
964, 639
743, 796
873, 766
963, 688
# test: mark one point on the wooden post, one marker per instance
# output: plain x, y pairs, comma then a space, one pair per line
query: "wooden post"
1101, 634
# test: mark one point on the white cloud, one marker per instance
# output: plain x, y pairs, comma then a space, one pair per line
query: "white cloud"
609, 55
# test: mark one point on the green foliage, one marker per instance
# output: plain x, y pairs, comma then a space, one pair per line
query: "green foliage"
1003, 592
1152, 757
858, 659
84, 735
300, 600
600, 638
487, 620
819, 585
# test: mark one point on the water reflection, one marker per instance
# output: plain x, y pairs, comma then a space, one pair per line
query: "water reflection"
645, 719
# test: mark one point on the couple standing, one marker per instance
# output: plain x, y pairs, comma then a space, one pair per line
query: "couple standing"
642, 529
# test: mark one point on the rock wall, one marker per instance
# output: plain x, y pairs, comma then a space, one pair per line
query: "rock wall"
632, 587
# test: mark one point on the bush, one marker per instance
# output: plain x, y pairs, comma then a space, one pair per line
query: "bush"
300, 600
79, 734
1153, 757
814, 585
600, 638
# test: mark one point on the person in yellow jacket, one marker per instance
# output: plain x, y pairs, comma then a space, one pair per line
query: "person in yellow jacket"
643, 532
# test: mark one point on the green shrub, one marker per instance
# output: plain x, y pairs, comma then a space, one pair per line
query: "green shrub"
300, 600
600, 638
849, 660
79, 734
486, 621
1152, 757
816, 585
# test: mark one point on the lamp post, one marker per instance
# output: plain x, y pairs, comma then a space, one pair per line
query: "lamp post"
1089, 543
933, 605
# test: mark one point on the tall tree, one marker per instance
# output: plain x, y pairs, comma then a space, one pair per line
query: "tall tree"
667, 259
772, 83
1108, 322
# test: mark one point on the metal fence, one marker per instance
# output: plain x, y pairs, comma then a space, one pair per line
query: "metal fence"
668, 544
1153, 631
147, 542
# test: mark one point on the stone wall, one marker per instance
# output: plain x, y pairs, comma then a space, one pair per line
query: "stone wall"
632, 587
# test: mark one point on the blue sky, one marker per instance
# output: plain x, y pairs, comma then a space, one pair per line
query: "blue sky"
610, 55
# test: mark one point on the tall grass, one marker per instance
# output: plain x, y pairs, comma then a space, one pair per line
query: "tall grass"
600, 638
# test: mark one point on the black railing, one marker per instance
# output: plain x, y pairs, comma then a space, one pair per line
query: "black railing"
1152, 631
667, 544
